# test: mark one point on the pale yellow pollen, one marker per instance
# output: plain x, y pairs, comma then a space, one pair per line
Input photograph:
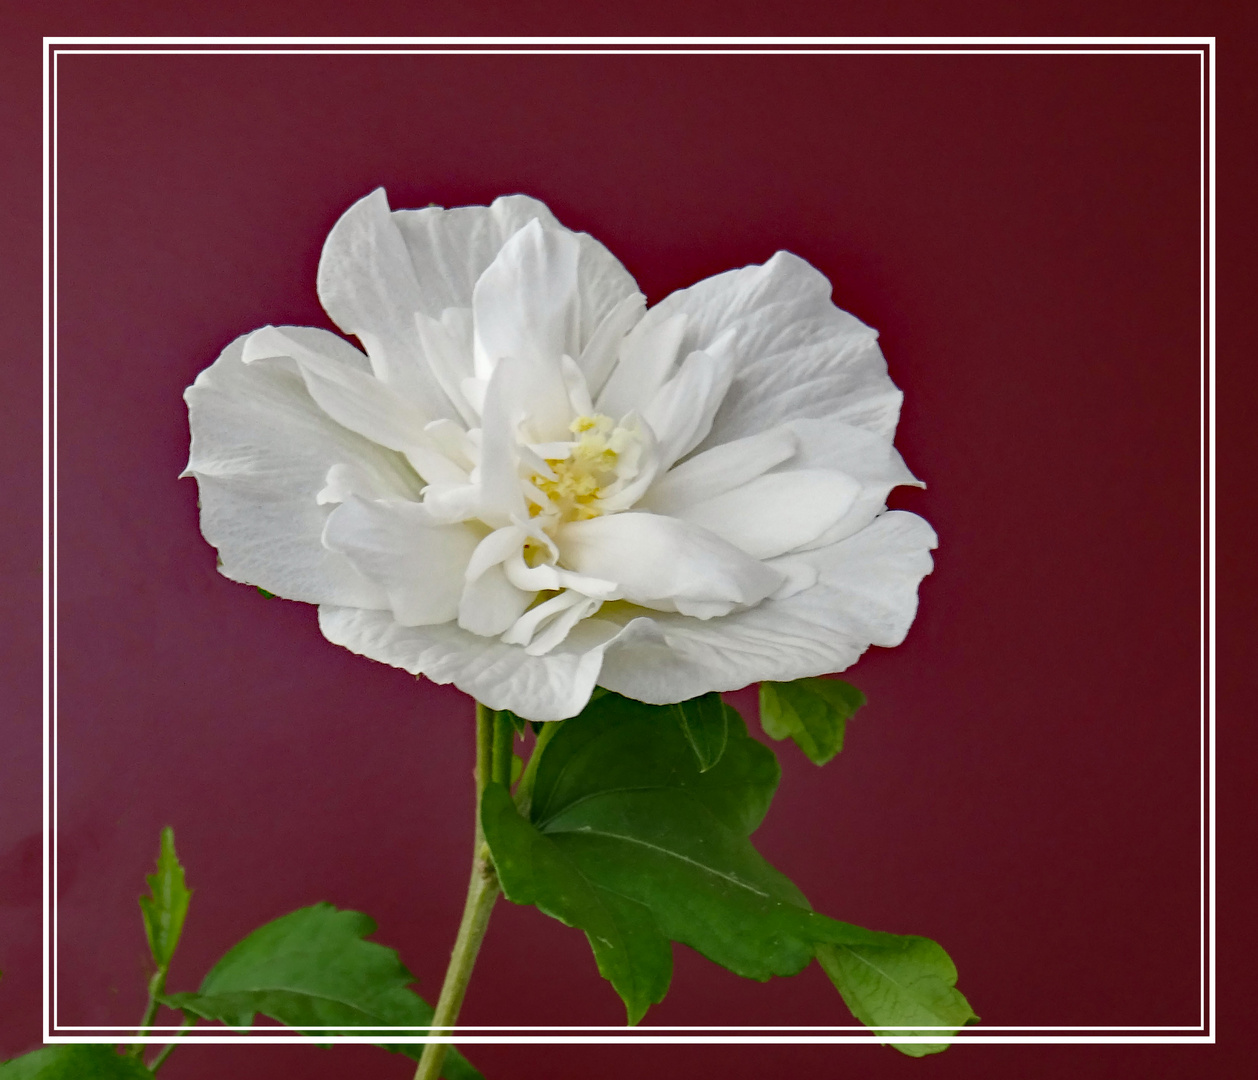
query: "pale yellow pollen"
579, 478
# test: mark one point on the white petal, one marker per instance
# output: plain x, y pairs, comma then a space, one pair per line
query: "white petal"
454, 442
866, 592
658, 560
358, 400
520, 390
558, 629
261, 452
647, 357
521, 633
681, 411
550, 687
523, 300
800, 575
861, 454
719, 469
490, 604
447, 344
494, 549
345, 392
418, 562
367, 285
345, 480
777, 512
449, 503
574, 381
450, 249
795, 354
600, 352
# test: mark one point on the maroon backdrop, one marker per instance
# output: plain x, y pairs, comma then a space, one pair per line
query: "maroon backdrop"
1024, 785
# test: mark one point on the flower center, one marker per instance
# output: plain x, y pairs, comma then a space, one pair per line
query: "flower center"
580, 479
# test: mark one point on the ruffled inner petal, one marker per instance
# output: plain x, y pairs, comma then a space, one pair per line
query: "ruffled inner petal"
795, 354
490, 604
719, 469
865, 592
418, 562
522, 303
682, 409
367, 285
777, 512
598, 357
262, 450
647, 357
658, 561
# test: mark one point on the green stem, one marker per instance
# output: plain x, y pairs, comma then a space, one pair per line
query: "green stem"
170, 1046
156, 985
524, 789
482, 891
504, 743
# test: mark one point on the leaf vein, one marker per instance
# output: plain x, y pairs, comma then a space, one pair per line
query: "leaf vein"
587, 831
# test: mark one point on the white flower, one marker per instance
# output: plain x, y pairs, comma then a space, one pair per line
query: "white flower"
530, 483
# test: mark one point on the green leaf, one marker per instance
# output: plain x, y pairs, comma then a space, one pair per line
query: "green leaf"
628, 947
903, 982
628, 840
312, 969
164, 911
813, 712
703, 722
268, 595
76, 1061
631, 842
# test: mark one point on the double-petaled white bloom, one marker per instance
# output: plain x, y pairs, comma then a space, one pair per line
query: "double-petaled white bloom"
530, 484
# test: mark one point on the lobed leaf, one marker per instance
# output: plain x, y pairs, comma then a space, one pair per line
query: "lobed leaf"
630, 839
74, 1061
312, 969
812, 712
167, 906
901, 982
633, 843
629, 949
703, 720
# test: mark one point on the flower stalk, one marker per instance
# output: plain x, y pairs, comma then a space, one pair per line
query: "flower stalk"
494, 737
157, 984
169, 1048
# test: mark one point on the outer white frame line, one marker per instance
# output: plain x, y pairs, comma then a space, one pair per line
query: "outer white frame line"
660, 40
502, 46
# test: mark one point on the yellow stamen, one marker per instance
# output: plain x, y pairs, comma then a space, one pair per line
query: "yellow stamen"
575, 490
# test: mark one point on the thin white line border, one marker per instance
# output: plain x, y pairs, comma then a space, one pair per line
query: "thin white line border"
1205, 47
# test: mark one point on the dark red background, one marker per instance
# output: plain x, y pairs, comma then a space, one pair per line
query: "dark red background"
1024, 784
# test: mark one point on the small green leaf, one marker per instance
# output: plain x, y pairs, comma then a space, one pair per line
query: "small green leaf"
268, 595
813, 712
629, 949
703, 722
74, 1061
902, 982
517, 767
313, 969
164, 911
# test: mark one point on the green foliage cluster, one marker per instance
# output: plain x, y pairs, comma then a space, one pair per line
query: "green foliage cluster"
631, 822
639, 833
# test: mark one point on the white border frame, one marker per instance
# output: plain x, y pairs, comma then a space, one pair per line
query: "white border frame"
1204, 47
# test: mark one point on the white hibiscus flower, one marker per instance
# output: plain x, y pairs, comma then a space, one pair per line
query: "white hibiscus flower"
530, 484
